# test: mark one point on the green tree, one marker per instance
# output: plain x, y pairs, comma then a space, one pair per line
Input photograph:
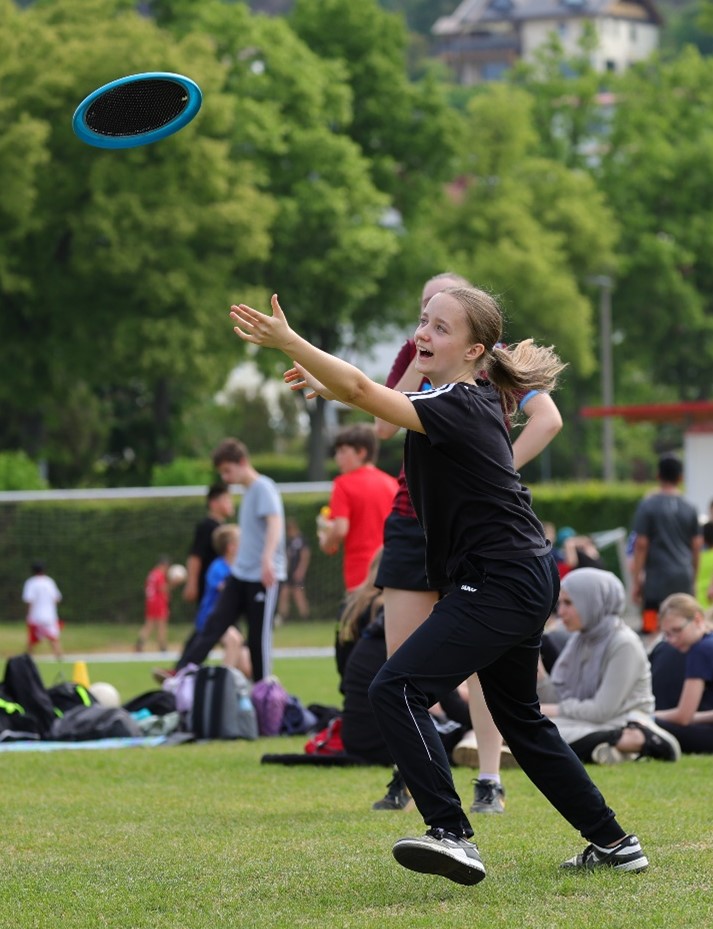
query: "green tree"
528, 227
404, 127
532, 230
331, 249
657, 179
129, 256
23, 157
566, 93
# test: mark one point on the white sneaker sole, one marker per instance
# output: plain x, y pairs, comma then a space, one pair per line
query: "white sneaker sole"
434, 858
606, 754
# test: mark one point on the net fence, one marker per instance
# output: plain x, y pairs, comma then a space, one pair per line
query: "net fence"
100, 545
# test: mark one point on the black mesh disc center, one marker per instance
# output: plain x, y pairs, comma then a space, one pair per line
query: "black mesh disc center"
136, 107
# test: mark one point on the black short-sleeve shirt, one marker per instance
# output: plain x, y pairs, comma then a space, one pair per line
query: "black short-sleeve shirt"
202, 547
463, 485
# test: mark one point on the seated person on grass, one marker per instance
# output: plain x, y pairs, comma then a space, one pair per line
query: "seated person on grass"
685, 626
600, 686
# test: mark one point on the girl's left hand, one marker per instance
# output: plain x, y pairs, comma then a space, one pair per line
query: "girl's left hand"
298, 378
261, 329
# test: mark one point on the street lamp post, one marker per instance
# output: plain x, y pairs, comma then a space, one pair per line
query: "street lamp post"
604, 283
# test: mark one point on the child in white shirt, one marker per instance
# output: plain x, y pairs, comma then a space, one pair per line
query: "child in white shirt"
42, 595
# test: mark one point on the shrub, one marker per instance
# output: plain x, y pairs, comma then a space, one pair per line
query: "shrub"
19, 472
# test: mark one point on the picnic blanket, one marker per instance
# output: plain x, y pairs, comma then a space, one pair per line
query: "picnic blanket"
42, 745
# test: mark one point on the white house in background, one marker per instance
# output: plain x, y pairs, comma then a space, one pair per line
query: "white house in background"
481, 39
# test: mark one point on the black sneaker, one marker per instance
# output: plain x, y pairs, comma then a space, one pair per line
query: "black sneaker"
626, 856
658, 743
489, 797
443, 853
397, 795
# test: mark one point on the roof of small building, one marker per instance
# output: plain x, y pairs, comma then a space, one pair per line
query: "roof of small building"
471, 13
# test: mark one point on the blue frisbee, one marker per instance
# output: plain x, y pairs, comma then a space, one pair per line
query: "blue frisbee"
137, 110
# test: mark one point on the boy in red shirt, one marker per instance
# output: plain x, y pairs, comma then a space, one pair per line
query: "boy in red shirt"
156, 610
362, 497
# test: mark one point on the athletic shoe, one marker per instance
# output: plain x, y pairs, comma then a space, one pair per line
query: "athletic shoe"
604, 753
443, 853
658, 743
489, 797
397, 796
626, 856
465, 754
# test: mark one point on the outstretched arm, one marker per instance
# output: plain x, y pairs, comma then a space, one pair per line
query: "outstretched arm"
342, 379
410, 380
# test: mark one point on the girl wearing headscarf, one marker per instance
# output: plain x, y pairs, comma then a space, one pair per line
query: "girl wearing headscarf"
600, 685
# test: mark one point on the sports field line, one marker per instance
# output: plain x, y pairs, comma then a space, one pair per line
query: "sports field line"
167, 657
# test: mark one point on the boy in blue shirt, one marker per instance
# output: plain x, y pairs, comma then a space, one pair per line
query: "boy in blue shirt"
226, 540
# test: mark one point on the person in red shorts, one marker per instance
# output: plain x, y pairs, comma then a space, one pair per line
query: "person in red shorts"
41, 594
362, 497
156, 609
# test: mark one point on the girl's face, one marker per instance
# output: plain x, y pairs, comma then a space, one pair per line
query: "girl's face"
567, 612
444, 349
680, 631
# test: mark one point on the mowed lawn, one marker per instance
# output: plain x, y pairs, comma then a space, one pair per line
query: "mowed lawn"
200, 836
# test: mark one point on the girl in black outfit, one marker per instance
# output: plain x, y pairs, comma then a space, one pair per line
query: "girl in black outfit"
484, 542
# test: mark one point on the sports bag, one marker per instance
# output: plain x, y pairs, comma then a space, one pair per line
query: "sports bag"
182, 685
67, 694
83, 723
297, 719
328, 741
15, 724
23, 685
269, 699
222, 708
157, 702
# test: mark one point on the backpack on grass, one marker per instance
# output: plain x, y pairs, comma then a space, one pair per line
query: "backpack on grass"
157, 702
67, 694
15, 724
23, 684
222, 708
297, 719
328, 741
86, 723
269, 699
182, 685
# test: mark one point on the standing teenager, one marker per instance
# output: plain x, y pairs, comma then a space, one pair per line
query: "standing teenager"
484, 541
408, 598
251, 590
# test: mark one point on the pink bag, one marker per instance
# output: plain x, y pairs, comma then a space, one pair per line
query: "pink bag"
182, 685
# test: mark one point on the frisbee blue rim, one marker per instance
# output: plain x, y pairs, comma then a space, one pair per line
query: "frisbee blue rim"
83, 132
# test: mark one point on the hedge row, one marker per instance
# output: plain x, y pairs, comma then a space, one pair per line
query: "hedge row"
100, 551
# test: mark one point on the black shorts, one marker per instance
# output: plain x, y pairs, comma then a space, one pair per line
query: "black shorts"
403, 561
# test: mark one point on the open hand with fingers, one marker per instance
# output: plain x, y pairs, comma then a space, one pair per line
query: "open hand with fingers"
261, 329
298, 378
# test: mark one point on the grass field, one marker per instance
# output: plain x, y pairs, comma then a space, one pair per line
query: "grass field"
202, 836
132, 677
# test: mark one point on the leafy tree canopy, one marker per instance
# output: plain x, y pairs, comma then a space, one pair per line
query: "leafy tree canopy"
657, 177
